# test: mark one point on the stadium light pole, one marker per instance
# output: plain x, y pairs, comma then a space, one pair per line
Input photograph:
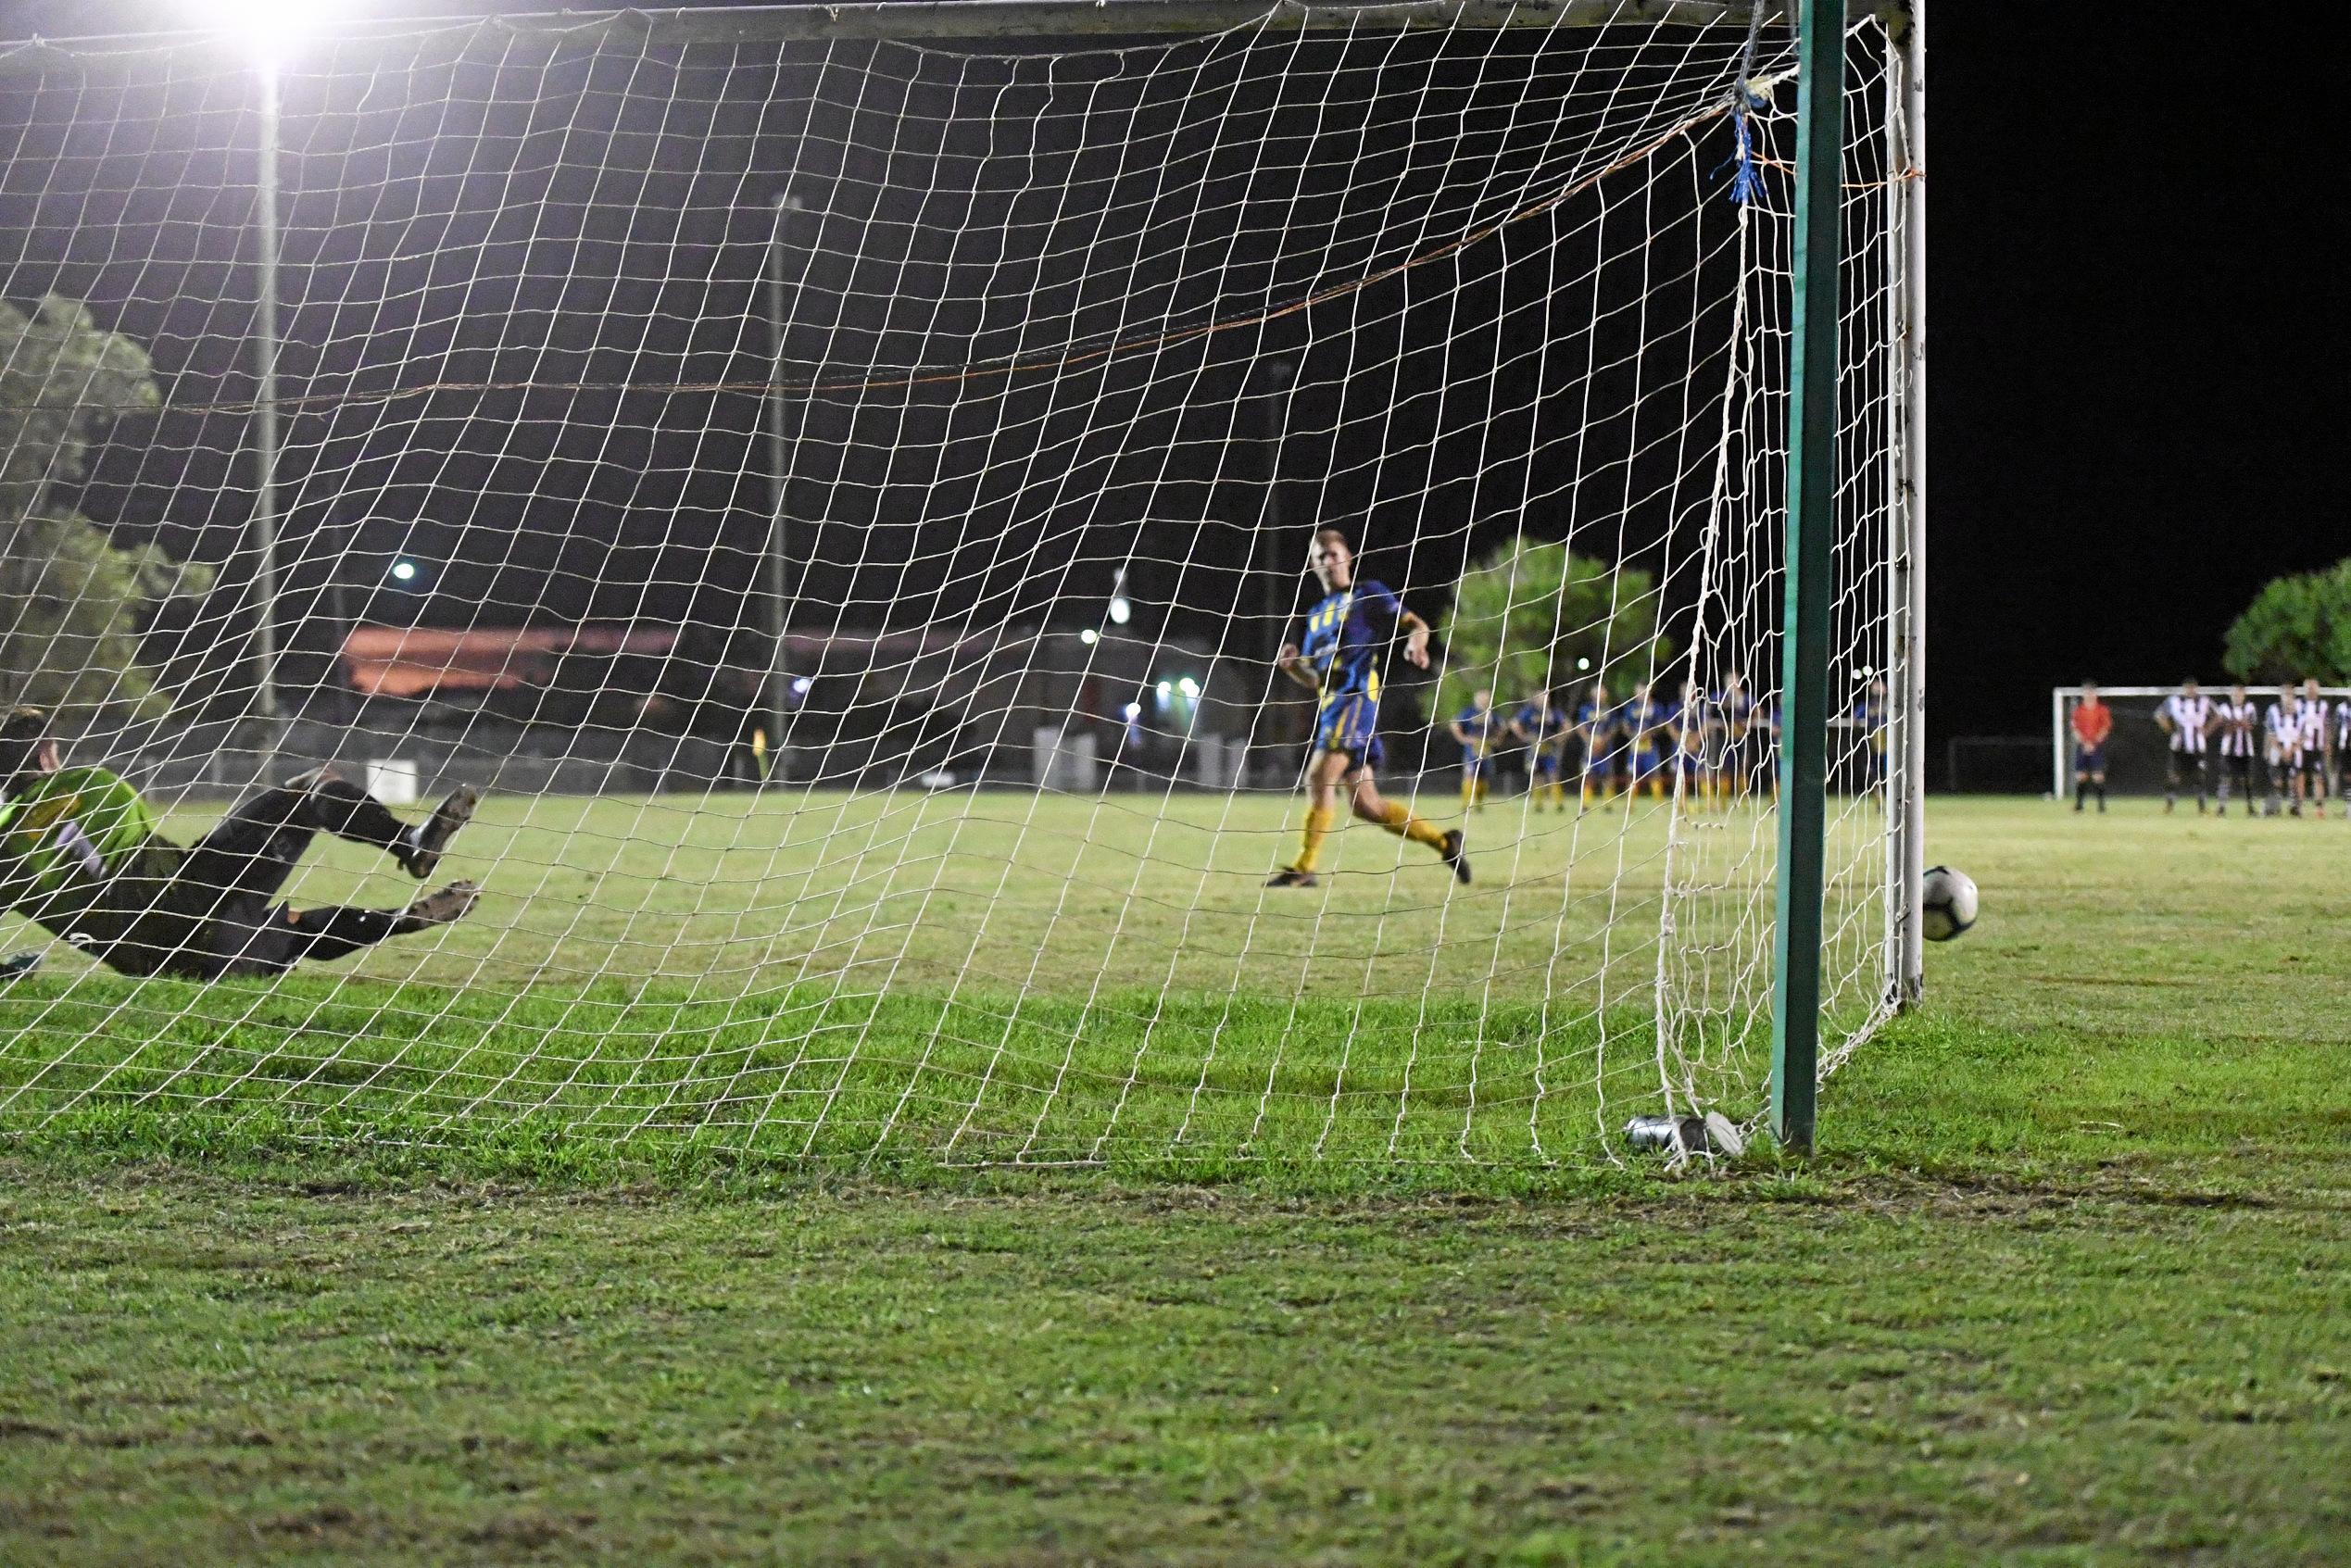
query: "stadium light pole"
265, 366
1812, 516
782, 435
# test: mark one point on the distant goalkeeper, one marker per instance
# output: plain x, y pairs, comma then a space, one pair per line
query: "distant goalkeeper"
1346, 634
81, 855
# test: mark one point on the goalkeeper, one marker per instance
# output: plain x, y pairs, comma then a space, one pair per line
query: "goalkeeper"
82, 856
1346, 634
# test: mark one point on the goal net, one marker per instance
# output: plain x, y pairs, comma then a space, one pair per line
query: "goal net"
843, 498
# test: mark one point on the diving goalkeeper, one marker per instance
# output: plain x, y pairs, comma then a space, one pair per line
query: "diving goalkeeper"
1346, 634
81, 855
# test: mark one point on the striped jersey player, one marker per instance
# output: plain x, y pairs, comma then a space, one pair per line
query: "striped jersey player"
2311, 746
2237, 736
2187, 716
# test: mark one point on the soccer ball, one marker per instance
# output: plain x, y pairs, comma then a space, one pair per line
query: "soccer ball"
1947, 904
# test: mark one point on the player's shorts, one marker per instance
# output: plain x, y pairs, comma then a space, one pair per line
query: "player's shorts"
1545, 762
2313, 764
1472, 765
1644, 762
1602, 764
1349, 724
2183, 764
2089, 758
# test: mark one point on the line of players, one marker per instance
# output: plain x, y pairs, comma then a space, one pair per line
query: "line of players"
2300, 739
1723, 744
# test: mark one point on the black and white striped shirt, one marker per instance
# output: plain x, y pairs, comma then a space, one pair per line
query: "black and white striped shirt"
2240, 721
2190, 717
2284, 724
2313, 737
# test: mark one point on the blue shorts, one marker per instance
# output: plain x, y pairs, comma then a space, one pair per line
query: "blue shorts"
1472, 765
1349, 723
1601, 764
2089, 758
1546, 763
1644, 762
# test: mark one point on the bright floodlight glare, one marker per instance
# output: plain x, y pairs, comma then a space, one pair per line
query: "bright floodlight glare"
1166, 690
1189, 687
800, 686
265, 26
1121, 611
1134, 710
1583, 664
1090, 637
403, 572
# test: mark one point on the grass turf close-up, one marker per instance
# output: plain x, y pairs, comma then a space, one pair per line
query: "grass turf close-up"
2065, 1285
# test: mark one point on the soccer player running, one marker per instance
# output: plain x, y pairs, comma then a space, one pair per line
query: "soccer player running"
1474, 728
82, 856
1338, 661
2093, 721
1542, 727
2239, 734
2186, 717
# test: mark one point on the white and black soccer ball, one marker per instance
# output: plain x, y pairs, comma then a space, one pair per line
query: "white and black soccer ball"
1947, 904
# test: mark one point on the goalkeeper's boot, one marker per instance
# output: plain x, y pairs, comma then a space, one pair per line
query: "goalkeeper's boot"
1290, 876
445, 907
426, 842
1456, 854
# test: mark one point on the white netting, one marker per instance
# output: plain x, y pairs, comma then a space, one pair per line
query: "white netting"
1079, 346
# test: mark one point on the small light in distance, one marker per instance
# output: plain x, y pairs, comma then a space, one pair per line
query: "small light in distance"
1166, 690
1121, 611
800, 684
1583, 664
1134, 710
403, 571
1189, 687
1090, 637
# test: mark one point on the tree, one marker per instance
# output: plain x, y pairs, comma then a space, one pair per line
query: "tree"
1526, 614
72, 599
2295, 627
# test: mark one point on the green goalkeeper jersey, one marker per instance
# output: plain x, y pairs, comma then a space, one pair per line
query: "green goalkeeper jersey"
64, 836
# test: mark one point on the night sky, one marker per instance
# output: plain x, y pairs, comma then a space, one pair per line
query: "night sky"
2126, 380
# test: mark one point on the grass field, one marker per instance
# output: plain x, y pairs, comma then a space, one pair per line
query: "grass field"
2066, 1286
910, 977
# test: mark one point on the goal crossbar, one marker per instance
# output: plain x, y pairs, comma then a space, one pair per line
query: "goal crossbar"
976, 20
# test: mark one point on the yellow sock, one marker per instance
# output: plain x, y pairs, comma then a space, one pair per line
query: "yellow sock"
1318, 821
1420, 830
1481, 792
1469, 793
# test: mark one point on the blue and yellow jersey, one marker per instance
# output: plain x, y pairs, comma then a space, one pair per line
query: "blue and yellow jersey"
1738, 710
1479, 724
1345, 635
1643, 721
1596, 721
1545, 726
1870, 718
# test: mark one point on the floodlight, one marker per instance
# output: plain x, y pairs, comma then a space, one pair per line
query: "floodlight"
403, 571
1090, 637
